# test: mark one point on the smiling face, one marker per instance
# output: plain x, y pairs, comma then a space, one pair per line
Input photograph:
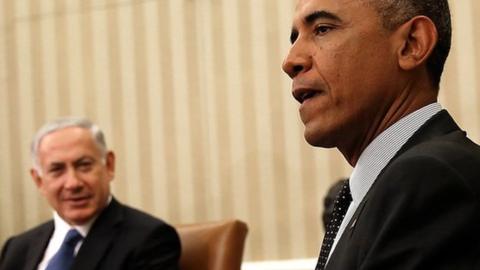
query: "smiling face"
75, 177
343, 66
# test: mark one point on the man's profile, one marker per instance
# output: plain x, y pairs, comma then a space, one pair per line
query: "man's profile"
367, 76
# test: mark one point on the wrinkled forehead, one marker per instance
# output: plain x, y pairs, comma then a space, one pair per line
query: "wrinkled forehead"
67, 138
306, 6
340, 10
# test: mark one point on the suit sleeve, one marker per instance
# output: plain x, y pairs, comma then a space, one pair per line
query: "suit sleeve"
9, 258
427, 218
2, 255
160, 250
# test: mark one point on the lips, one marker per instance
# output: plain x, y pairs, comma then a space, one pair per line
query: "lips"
77, 199
303, 94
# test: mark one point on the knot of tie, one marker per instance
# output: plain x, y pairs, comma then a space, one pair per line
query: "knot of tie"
63, 259
340, 207
72, 237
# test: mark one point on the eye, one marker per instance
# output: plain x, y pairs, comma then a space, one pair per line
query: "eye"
85, 166
55, 171
322, 29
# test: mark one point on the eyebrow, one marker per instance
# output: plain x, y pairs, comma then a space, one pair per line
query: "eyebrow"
311, 18
320, 14
83, 159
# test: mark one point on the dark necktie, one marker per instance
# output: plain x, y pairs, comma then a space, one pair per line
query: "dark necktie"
339, 210
63, 259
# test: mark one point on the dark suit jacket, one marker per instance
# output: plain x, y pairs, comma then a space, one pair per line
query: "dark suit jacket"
423, 210
121, 238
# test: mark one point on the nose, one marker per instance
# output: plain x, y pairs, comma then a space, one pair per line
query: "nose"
72, 181
297, 61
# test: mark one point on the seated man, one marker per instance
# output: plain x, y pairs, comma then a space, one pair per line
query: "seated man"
90, 229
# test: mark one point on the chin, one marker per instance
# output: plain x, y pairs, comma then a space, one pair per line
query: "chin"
79, 218
319, 139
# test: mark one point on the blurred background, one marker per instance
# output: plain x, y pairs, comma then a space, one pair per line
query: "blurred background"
192, 98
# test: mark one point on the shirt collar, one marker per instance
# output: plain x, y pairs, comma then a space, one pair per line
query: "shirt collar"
384, 147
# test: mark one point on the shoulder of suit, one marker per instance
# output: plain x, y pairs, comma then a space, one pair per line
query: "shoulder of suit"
452, 156
445, 147
139, 218
34, 233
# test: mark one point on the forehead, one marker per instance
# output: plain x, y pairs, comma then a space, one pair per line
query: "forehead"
327, 3
341, 8
67, 140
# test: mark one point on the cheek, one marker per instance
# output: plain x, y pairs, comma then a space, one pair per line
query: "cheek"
105, 184
52, 188
52, 193
99, 183
334, 63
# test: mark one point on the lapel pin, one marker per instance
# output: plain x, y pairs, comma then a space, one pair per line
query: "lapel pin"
353, 223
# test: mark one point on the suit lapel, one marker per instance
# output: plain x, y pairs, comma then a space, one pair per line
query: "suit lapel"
36, 251
440, 124
351, 224
100, 237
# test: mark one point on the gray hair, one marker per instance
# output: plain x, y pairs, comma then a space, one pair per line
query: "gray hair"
393, 13
63, 123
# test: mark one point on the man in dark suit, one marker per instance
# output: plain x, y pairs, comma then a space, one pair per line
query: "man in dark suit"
367, 75
90, 230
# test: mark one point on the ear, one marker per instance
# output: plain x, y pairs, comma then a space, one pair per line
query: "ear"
418, 39
37, 179
110, 165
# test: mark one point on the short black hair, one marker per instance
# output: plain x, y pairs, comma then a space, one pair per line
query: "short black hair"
393, 13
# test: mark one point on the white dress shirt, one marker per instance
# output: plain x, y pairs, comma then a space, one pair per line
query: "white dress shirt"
377, 155
59, 233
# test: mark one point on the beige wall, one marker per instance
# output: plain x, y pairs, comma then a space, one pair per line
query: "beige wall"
192, 99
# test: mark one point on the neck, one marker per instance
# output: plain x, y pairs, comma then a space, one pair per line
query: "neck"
409, 100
